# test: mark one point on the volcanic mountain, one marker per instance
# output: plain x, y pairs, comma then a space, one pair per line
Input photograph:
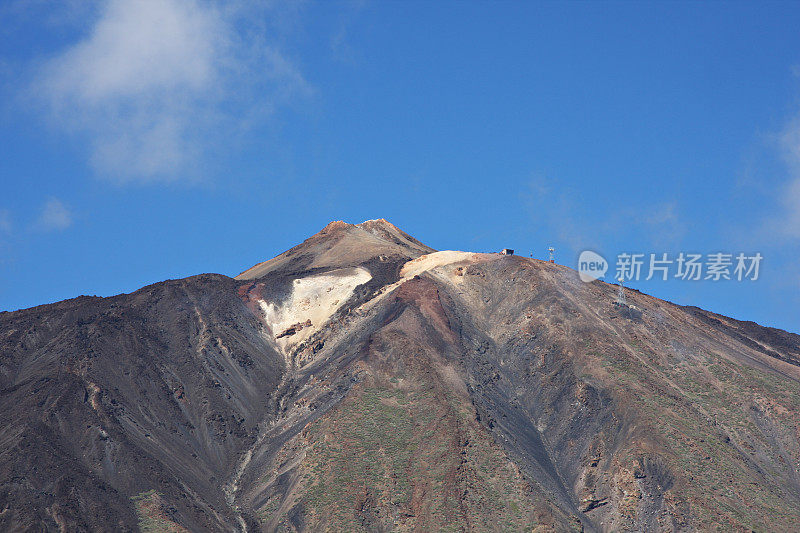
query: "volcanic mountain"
363, 381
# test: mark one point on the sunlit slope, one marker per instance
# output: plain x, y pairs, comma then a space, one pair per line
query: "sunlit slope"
619, 420
362, 381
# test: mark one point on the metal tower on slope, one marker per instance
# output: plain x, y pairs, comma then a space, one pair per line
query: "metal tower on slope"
621, 301
552, 254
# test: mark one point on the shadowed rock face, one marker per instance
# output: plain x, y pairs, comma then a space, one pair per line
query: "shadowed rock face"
363, 381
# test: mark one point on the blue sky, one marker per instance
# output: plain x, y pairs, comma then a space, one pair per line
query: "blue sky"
141, 141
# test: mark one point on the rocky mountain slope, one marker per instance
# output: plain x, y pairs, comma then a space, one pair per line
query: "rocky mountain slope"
362, 381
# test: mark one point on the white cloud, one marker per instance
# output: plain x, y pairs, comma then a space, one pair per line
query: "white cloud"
156, 83
55, 216
139, 48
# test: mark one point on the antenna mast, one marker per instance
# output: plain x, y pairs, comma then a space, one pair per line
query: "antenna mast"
621, 301
552, 254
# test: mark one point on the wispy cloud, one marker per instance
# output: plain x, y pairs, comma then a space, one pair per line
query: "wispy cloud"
561, 209
54, 216
341, 48
789, 221
155, 84
663, 223
5, 222
6, 230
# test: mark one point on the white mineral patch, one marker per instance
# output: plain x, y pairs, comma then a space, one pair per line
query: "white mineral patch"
432, 261
315, 298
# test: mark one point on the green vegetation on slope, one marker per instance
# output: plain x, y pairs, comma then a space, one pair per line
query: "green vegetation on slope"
709, 421
152, 518
399, 457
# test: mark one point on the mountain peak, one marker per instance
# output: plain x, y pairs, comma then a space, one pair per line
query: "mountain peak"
340, 244
378, 222
333, 225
